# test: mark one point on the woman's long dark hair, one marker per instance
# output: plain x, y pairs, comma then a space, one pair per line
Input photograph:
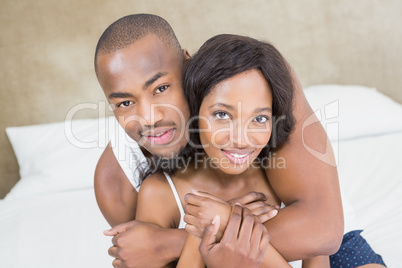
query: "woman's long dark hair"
222, 57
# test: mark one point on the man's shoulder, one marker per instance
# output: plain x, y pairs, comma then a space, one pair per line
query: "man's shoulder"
108, 168
114, 193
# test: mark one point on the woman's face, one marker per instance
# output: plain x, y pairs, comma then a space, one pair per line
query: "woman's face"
236, 120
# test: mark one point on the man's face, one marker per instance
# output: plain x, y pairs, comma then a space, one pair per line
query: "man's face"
143, 84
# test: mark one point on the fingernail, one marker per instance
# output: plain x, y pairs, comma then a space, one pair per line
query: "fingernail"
195, 191
214, 219
277, 207
274, 213
104, 232
238, 204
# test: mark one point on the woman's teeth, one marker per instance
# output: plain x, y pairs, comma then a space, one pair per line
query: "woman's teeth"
238, 155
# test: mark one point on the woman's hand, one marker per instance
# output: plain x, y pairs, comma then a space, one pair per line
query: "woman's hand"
244, 242
201, 207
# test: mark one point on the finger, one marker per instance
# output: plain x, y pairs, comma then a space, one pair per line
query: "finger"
120, 228
233, 226
196, 222
249, 198
112, 251
193, 199
209, 236
191, 229
207, 195
192, 210
190, 219
198, 200
261, 209
117, 263
264, 243
256, 205
267, 216
115, 239
246, 228
256, 238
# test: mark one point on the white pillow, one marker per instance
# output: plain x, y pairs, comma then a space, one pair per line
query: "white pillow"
58, 156
354, 111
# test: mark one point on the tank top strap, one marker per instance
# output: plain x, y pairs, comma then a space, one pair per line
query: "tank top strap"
182, 224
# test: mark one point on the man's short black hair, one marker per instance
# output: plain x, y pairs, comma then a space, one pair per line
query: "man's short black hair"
129, 29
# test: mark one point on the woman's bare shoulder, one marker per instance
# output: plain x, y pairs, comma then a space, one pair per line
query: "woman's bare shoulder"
156, 203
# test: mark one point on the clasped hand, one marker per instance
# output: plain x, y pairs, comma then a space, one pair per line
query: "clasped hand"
202, 207
200, 210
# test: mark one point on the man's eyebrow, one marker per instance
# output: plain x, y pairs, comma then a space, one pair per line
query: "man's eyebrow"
120, 95
153, 79
227, 106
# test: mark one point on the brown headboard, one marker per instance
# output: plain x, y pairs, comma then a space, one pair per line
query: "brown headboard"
47, 48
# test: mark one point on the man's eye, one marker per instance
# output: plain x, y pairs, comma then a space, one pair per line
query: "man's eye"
261, 119
124, 104
221, 115
161, 89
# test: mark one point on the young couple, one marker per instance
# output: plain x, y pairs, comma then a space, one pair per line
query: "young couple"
242, 103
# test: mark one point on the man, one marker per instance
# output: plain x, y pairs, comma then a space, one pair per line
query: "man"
138, 63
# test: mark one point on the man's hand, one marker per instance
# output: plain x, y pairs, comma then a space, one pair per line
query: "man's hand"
201, 207
135, 244
244, 242
257, 203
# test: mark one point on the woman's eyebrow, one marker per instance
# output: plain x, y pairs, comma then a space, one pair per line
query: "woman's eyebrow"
230, 107
264, 109
227, 106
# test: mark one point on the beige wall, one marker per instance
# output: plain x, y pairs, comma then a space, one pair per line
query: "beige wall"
46, 48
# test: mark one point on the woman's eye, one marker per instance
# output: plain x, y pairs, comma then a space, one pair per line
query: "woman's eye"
261, 119
124, 104
161, 89
221, 115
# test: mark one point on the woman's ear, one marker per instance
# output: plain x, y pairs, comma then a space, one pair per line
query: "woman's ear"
186, 54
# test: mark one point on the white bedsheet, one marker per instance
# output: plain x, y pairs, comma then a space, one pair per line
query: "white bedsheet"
54, 230
65, 229
370, 173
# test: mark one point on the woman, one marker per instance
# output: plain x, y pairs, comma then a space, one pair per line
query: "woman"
238, 89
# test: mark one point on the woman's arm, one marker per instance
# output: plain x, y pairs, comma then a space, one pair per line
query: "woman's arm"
156, 204
191, 256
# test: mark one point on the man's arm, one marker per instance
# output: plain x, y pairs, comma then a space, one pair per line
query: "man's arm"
135, 243
116, 197
309, 188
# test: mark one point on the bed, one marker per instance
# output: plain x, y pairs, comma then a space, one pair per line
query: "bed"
50, 217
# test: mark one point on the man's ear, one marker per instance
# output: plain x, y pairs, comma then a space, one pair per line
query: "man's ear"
186, 54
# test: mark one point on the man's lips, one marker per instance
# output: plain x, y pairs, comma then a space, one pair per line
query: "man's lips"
238, 156
159, 136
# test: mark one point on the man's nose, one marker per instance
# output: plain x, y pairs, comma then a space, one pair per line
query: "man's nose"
150, 113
